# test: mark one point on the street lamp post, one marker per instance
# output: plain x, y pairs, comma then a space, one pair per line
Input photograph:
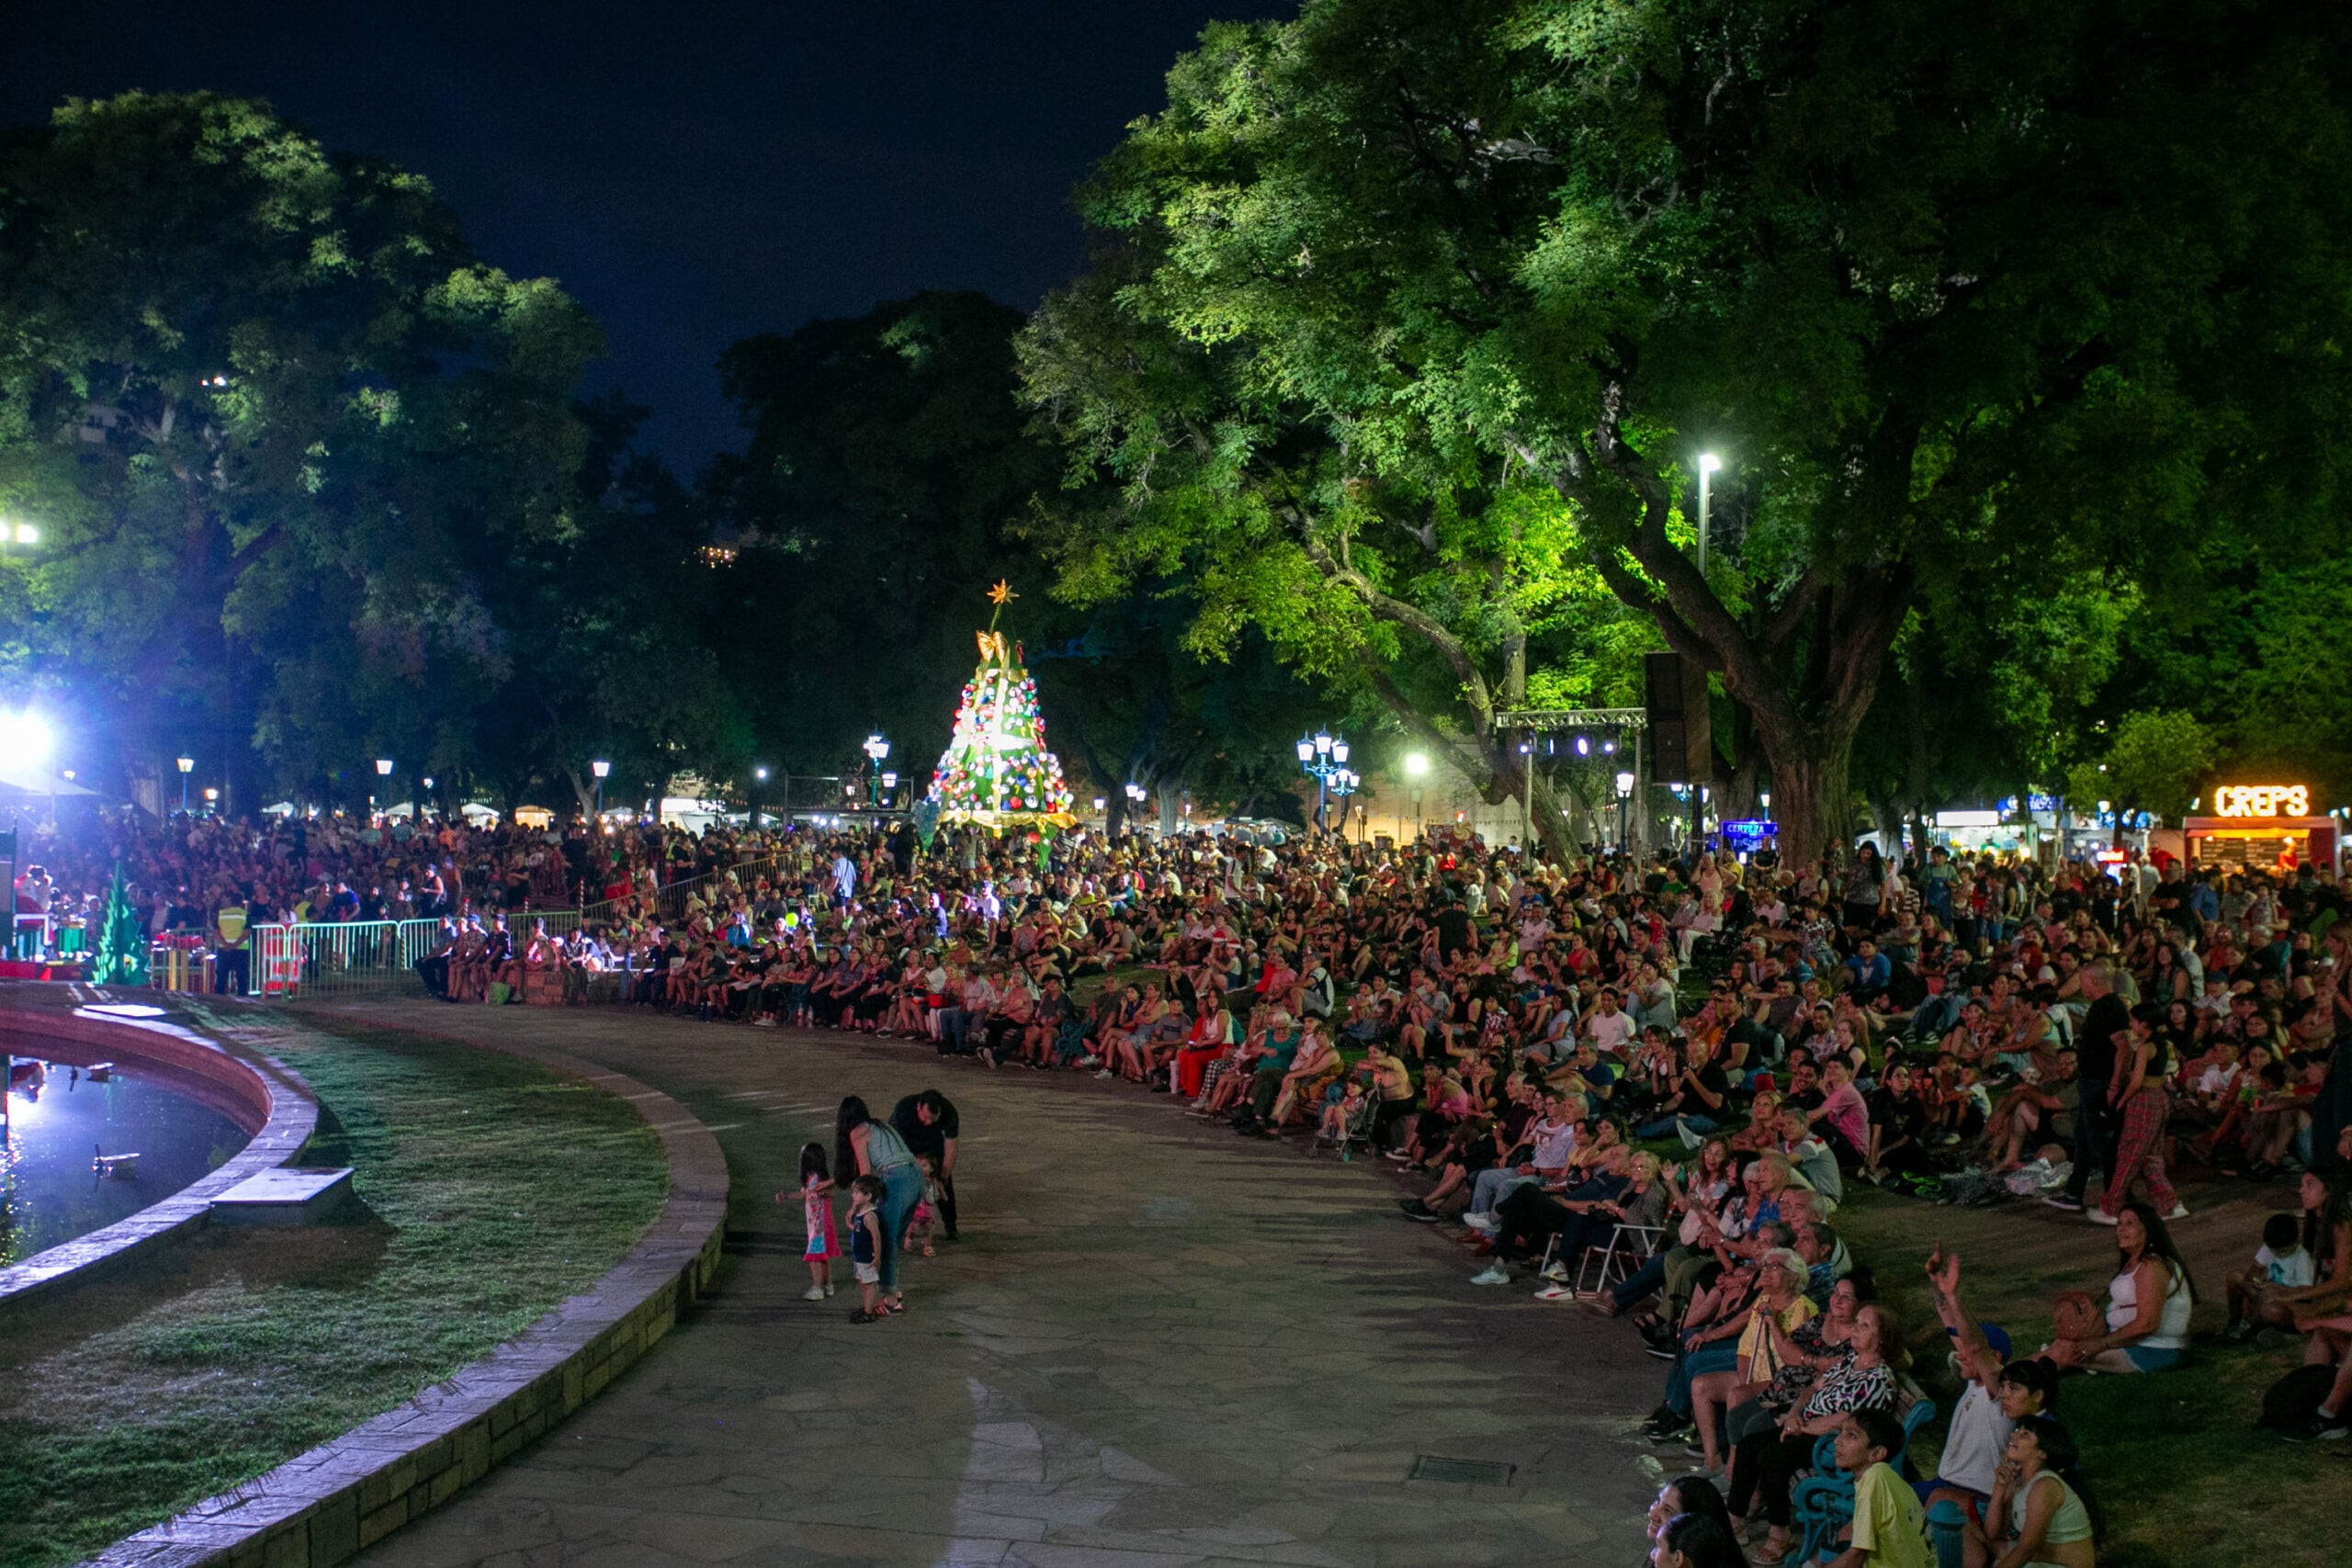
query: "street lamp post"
1625, 799
1417, 768
1708, 464
1137, 794
1527, 783
187, 766
877, 748
759, 776
603, 770
1323, 758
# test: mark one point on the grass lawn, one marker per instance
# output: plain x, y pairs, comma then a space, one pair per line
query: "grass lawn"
490, 1189
2175, 1458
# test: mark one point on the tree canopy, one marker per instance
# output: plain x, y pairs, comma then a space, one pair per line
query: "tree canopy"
2049, 292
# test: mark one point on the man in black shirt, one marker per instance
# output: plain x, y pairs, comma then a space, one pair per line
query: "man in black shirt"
2103, 1027
928, 1123
1454, 933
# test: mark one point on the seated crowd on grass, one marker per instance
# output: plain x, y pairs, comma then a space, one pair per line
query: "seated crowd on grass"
1687, 1063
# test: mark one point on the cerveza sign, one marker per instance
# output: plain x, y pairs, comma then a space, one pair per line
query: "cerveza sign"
2263, 800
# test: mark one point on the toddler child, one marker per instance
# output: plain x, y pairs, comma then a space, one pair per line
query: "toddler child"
865, 1246
925, 1217
1342, 1108
817, 1213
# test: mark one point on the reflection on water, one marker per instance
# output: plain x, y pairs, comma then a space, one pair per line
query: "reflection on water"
59, 1120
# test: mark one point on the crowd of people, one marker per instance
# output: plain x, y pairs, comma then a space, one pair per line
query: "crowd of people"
1685, 1062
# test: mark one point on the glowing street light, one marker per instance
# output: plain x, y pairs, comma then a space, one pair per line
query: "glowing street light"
1708, 464
603, 770
1417, 768
187, 766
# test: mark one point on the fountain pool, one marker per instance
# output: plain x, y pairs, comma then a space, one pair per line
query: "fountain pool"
59, 1121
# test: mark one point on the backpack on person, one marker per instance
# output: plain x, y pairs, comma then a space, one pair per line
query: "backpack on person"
2295, 1398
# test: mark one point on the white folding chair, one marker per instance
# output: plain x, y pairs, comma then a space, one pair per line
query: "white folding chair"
1628, 1247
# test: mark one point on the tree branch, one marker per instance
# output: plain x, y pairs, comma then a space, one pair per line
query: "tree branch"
1414, 619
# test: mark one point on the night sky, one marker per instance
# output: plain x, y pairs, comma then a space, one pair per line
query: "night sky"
693, 173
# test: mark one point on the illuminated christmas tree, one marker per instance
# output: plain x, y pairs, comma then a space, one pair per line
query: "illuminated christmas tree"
995, 770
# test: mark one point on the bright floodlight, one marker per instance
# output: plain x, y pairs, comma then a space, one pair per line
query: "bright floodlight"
25, 739
1417, 764
761, 774
1708, 463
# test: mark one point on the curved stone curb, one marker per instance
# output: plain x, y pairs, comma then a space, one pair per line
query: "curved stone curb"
324, 1506
271, 1093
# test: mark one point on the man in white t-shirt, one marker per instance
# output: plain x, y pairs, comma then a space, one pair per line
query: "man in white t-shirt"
1610, 1029
1997, 1395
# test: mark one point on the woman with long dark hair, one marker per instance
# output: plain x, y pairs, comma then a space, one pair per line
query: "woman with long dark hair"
2148, 1302
874, 1148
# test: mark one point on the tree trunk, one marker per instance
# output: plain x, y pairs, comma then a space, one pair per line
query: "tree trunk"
1811, 800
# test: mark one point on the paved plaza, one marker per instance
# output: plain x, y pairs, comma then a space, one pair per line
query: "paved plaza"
1156, 1345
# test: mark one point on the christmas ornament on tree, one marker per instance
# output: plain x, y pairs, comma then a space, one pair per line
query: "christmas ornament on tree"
995, 770
123, 947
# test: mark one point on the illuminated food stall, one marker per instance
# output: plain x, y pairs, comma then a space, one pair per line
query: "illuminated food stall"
2262, 828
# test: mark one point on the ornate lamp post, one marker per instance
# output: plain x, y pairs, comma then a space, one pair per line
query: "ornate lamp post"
187, 766
603, 770
877, 748
1323, 757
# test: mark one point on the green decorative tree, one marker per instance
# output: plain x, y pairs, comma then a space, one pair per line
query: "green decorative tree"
995, 770
122, 946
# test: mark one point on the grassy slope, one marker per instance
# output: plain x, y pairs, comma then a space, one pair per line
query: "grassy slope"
492, 1190
2175, 1458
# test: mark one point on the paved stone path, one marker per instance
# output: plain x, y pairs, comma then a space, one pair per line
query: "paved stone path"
1156, 1345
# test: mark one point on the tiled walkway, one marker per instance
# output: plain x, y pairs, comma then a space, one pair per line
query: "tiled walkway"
1157, 1345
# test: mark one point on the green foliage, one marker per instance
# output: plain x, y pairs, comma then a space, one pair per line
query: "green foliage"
886, 458
1944, 286
2156, 761
298, 459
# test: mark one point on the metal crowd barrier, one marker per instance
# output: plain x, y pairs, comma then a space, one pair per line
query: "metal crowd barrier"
363, 957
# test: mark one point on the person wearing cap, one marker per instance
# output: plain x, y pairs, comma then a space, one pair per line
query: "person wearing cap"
1997, 1394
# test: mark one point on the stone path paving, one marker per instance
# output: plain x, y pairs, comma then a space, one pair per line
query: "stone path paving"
1157, 1346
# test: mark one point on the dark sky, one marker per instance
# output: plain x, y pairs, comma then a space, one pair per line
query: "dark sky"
693, 173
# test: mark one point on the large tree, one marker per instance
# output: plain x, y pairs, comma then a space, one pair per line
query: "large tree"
1445, 588
284, 436
2060, 285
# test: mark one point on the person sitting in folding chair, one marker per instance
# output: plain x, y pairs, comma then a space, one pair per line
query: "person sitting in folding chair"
1530, 1215
1631, 1220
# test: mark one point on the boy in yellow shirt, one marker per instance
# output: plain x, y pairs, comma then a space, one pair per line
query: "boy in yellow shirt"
1890, 1529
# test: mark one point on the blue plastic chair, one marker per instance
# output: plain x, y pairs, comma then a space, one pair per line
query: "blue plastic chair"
1823, 1503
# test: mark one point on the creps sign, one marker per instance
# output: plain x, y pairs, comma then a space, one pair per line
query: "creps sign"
2263, 800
